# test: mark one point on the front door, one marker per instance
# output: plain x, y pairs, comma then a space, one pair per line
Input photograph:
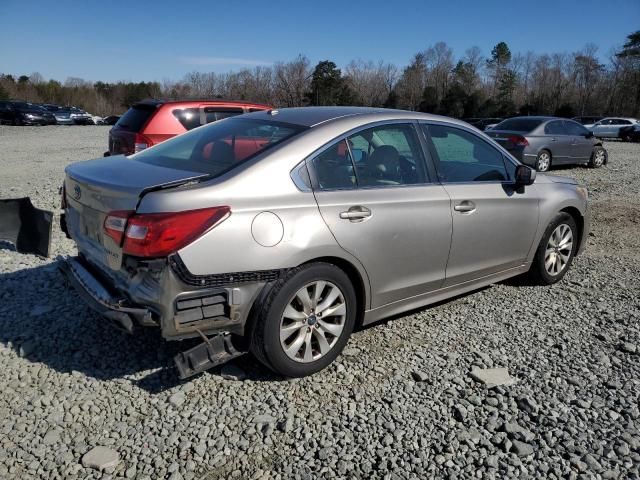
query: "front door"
581, 145
374, 195
493, 224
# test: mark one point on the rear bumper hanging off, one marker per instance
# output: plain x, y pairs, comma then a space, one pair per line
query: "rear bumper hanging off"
99, 299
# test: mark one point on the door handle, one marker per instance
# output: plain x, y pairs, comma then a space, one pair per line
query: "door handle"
355, 214
553, 139
465, 206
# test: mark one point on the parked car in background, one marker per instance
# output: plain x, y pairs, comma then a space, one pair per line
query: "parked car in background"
588, 120
545, 141
24, 113
610, 127
111, 120
367, 213
150, 122
80, 117
482, 123
97, 120
63, 116
630, 133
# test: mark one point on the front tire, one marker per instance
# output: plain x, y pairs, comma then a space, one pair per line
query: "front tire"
305, 320
556, 251
543, 162
598, 157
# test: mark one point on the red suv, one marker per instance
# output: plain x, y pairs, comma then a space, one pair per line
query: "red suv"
153, 121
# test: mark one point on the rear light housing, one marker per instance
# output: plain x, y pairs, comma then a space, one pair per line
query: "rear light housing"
115, 224
141, 142
518, 141
160, 234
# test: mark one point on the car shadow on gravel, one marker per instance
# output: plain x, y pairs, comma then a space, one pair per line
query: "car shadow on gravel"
45, 321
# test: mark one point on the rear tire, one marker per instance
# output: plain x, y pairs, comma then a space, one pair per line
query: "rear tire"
305, 320
556, 251
17, 122
598, 157
543, 162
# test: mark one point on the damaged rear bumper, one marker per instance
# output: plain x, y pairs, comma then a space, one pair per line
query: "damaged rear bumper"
99, 299
214, 351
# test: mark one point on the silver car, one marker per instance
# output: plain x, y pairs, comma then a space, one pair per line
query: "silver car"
280, 231
610, 127
543, 142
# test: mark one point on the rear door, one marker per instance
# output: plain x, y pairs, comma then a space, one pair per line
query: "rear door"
560, 142
375, 196
581, 146
493, 224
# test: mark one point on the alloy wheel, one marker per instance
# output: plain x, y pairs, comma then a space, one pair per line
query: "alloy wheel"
313, 321
598, 158
559, 250
544, 160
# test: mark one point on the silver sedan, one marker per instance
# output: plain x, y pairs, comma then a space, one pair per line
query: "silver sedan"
278, 232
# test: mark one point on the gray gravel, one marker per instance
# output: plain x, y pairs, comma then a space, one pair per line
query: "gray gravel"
400, 403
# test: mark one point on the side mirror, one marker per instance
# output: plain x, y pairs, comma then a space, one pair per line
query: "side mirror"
588, 135
524, 176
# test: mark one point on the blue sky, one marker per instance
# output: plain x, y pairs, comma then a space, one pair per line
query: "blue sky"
153, 40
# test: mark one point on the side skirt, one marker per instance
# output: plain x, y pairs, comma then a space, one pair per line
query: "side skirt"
439, 295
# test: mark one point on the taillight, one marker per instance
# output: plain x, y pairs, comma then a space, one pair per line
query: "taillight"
518, 141
160, 234
115, 223
141, 142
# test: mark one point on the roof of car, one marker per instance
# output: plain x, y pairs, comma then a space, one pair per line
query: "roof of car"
312, 116
160, 101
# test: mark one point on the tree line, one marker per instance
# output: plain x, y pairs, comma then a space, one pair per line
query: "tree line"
435, 80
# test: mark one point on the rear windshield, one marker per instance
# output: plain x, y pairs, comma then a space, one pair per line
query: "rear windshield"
135, 117
518, 124
218, 147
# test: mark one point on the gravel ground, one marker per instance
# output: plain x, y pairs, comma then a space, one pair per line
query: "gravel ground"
399, 403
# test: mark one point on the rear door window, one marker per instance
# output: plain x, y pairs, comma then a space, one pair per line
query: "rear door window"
188, 117
388, 155
334, 169
213, 114
555, 128
136, 117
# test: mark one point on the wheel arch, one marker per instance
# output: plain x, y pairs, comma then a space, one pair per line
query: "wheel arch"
579, 219
356, 279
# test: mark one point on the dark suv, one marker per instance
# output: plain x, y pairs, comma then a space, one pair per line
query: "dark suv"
24, 113
150, 122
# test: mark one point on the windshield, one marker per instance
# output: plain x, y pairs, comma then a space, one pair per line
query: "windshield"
518, 124
215, 148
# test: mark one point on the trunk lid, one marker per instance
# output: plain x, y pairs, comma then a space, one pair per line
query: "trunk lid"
96, 187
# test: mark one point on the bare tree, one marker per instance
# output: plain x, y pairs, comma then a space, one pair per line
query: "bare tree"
291, 82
